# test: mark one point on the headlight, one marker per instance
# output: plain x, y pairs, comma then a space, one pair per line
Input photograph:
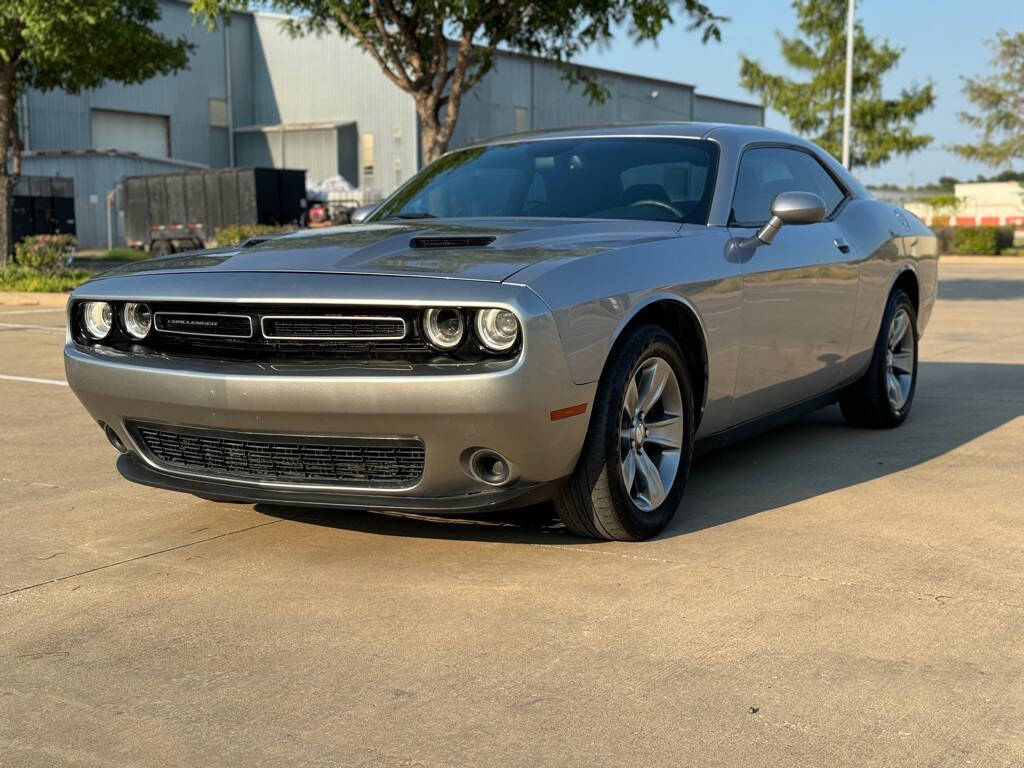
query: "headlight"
98, 317
444, 328
497, 329
138, 320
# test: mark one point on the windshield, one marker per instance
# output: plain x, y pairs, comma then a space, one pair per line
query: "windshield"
600, 178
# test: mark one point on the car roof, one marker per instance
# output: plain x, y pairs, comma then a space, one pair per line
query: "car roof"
680, 130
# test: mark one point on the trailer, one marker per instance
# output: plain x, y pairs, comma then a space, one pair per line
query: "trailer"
173, 212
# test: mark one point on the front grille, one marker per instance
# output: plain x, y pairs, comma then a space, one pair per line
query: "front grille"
285, 332
350, 462
339, 328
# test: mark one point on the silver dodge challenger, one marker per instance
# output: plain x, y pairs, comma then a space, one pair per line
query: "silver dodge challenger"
562, 316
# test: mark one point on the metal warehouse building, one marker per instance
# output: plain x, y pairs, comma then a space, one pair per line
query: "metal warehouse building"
255, 96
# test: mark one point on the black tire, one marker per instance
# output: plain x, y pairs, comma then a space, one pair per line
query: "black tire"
866, 403
595, 501
160, 248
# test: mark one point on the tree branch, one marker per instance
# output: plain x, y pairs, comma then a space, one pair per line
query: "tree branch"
412, 46
389, 45
365, 42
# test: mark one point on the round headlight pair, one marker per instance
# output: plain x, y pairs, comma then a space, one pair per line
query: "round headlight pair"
98, 319
445, 328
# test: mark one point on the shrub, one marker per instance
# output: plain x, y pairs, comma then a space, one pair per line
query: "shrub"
239, 233
944, 238
19, 278
123, 254
44, 254
982, 241
1004, 236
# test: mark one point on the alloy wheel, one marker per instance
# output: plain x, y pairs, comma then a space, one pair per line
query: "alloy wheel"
899, 360
651, 433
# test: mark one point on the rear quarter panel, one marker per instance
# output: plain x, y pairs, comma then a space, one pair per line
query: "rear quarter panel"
889, 242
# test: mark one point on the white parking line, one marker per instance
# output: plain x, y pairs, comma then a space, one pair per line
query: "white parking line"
27, 327
33, 380
29, 311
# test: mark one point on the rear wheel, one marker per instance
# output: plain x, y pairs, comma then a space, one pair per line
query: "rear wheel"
631, 473
882, 398
161, 248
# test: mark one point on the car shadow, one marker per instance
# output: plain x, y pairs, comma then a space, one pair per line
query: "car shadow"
955, 404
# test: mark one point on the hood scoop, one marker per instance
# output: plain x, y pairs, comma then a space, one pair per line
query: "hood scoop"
452, 241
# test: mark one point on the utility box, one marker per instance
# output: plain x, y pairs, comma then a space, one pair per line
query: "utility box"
42, 205
181, 211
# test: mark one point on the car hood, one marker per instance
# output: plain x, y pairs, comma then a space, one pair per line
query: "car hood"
470, 249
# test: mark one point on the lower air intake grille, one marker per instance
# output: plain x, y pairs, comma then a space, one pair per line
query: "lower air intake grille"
349, 462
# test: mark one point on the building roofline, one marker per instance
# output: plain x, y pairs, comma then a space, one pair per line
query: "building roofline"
89, 152
284, 127
543, 60
724, 100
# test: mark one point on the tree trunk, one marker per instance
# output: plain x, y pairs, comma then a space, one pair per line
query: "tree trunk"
5, 220
433, 137
9, 151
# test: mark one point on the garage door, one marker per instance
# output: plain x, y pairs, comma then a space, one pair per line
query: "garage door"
148, 135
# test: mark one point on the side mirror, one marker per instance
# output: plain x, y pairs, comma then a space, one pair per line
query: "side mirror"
358, 215
792, 208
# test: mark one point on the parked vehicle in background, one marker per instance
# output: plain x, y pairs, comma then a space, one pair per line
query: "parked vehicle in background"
172, 212
565, 315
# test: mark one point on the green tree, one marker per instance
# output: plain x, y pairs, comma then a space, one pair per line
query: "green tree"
880, 127
71, 44
998, 105
437, 50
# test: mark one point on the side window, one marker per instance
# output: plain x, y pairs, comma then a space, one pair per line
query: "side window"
767, 171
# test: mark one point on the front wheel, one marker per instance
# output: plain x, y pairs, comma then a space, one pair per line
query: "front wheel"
631, 473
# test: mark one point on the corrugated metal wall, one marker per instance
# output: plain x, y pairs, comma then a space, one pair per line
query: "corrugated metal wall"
322, 152
58, 120
94, 174
716, 110
537, 87
327, 79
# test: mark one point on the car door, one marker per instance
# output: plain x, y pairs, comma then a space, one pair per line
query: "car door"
799, 292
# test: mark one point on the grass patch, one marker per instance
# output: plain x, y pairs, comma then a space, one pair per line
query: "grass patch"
122, 254
25, 279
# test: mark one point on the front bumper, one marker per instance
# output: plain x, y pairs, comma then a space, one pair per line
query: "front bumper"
505, 407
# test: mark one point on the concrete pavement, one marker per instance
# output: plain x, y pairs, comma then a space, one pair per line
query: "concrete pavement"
828, 596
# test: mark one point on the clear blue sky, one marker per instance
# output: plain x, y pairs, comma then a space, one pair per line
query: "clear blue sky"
943, 40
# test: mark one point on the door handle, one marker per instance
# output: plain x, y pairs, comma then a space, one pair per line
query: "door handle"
841, 244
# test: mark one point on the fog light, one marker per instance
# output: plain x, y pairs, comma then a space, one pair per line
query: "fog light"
490, 467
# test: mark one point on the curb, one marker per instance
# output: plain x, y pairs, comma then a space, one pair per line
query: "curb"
33, 299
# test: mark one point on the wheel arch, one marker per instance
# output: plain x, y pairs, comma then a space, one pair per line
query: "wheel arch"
682, 321
907, 281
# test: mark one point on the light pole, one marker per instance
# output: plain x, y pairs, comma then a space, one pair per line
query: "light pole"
848, 98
